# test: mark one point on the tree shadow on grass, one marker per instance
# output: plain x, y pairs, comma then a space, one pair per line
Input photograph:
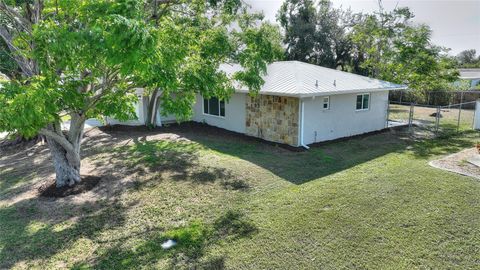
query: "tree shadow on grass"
190, 251
319, 161
447, 143
19, 165
295, 167
331, 157
32, 231
38, 229
175, 160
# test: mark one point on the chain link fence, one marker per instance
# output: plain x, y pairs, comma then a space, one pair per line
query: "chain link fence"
436, 120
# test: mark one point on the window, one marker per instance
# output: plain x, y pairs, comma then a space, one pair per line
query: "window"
214, 106
325, 103
363, 101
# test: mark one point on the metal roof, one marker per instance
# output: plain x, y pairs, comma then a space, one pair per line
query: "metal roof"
470, 73
294, 78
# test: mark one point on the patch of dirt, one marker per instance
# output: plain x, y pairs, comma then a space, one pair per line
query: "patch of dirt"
50, 190
458, 163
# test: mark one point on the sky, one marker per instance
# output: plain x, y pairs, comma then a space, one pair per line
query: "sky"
455, 23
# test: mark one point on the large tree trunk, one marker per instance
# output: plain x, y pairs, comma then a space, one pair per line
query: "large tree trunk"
67, 165
65, 150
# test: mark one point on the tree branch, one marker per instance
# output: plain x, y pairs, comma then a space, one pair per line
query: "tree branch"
16, 16
22, 62
60, 139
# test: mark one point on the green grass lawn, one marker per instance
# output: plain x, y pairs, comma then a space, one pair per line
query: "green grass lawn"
368, 203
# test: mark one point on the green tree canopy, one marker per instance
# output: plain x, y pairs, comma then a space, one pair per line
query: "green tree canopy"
397, 50
84, 58
316, 33
468, 59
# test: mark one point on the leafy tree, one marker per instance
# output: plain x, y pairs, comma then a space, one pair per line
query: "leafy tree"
251, 44
468, 59
84, 58
397, 50
316, 33
7, 63
467, 56
298, 19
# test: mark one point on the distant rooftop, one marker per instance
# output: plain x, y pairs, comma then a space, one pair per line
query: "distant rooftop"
293, 78
470, 73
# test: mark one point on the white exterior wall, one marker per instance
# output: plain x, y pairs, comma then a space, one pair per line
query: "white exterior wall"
235, 114
140, 111
342, 119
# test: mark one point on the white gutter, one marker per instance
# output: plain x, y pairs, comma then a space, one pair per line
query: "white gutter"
302, 118
356, 91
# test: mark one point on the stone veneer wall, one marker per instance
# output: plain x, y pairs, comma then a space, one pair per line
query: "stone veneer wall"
273, 118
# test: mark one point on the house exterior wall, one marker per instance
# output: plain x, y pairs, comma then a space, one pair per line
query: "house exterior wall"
342, 119
140, 111
273, 118
234, 119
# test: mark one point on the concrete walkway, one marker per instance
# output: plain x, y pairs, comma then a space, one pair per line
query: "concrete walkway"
394, 124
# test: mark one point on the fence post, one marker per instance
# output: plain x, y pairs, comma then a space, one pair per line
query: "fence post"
459, 112
437, 120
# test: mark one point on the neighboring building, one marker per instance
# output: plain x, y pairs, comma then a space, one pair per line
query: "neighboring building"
472, 75
301, 104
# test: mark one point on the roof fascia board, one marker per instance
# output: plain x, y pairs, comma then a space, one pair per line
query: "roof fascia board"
328, 93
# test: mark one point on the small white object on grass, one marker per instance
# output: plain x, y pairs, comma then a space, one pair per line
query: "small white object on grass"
169, 244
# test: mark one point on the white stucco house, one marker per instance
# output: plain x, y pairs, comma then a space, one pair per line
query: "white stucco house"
299, 104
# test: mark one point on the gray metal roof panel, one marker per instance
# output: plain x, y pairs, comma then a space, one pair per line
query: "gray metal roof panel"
293, 78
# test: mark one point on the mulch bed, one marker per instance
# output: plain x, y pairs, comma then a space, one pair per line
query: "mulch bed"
50, 190
200, 129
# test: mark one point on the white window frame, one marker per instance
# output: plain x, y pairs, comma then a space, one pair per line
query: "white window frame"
213, 115
323, 103
369, 101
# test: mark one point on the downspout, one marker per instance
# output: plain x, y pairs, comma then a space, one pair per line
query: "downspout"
302, 118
